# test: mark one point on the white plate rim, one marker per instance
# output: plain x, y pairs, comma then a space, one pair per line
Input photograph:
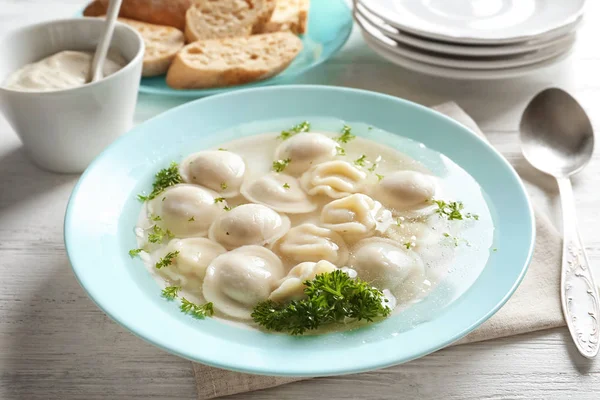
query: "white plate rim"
457, 49
462, 74
455, 37
474, 64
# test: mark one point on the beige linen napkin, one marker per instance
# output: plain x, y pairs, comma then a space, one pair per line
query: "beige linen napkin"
534, 306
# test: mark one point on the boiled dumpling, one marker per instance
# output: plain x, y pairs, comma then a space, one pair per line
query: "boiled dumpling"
405, 190
221, 171
309, 242
189, 267
305, 150
387, 265
281, 192
186, 210
292, 286
335, 179
238, 280
353, 217
249, 224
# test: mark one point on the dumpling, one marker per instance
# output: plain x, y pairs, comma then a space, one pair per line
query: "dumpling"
221, 171
249, 224
238, 280
281, 192
309, 242
387, 265
353, 217
405, 190
186, 210
292, 286
305, 150
189, 267
335, 179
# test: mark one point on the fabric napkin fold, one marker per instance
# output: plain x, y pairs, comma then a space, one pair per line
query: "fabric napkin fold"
534, 306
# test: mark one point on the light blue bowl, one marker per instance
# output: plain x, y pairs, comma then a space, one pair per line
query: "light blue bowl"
329, 26
103, 210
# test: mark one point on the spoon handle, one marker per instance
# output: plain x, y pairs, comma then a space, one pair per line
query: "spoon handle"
578, 292
112, 13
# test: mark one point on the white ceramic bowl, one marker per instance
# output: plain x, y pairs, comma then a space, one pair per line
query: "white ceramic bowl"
64, 130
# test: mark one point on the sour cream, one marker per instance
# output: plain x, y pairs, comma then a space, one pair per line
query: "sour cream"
63, 70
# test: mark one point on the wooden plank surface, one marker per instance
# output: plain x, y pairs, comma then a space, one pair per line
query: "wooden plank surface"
56, 344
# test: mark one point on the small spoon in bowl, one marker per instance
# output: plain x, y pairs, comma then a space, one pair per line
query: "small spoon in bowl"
557, 138
96, 72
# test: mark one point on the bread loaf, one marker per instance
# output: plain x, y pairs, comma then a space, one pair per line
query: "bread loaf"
232, 61
289, 15
160, 12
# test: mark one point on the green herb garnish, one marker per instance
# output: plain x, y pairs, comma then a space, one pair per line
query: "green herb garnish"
155, 217
279, 165
157, 234
286, 185
170, 292
219, 200
379, 177
166, 260
408, 245
346, 135
163, 179
198, 311
222, 149
192, 219
301, 127
135, 252
332, 297
223, 185
340, 151
372, 167
227, 208
453, 210
361, 160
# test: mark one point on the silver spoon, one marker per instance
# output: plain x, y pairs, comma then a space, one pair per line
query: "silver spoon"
112, 13
557, 138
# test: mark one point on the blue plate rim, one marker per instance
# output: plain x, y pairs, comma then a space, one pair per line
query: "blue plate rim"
319, 370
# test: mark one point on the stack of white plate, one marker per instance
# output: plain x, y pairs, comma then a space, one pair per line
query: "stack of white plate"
470, 39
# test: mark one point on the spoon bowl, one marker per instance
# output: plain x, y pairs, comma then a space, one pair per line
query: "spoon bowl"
556, 134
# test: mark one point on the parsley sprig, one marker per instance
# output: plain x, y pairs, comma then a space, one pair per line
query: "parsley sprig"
170, 292
301, 127
163, 179
332, 297
279, 165
166, 260
157, 234
361, 161
346, 135
453, 210
134, 252
196, 310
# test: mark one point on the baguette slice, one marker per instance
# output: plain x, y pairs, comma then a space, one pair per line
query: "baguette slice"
162, 44
232, 61
216, 19
289, 15
160, 12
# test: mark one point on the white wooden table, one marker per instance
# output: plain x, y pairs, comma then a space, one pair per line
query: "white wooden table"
55, 343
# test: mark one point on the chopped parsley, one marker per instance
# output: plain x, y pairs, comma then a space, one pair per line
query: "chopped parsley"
332, 297
286, 185
379, 177
408, 245
301, 127
227, 208
453, 210
135, 252
198, 311
219, 200
223, 185
170, 292
163, 179
192, 219
166, 260
279, 165
155, 217
157, 234
494, 249
346, 135
373, 167
361, 161
340, 151
222, 149
399, 221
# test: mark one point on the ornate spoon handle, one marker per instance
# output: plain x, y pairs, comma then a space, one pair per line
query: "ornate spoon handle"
578, 292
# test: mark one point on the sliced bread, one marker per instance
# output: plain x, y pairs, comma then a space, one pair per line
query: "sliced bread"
161, 12
289, 15
162, 44
232, 61
216, 19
